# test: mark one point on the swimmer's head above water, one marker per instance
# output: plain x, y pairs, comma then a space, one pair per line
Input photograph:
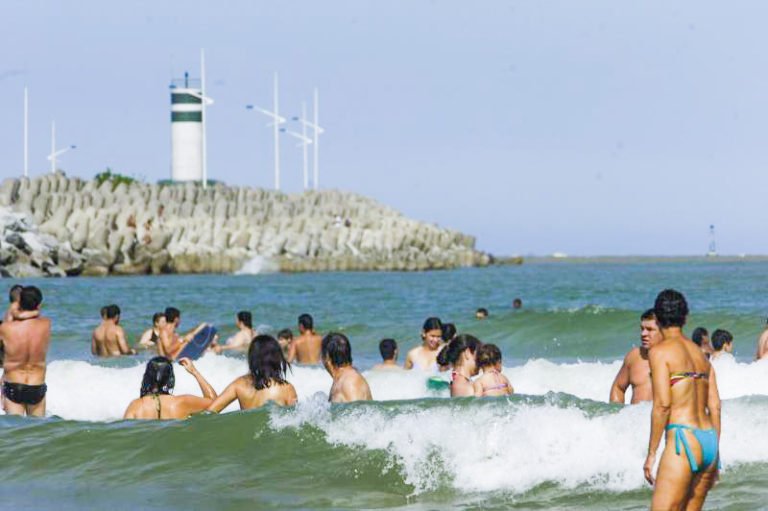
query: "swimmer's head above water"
158, 319
650, 334
722, 340
336, 351
30, 298
388, 349
460, 352
158, 377
266, 362
244, 319
699, 335
481, 313
112, 313
449, 332
173, 316
432, 333
671, 309
489, 357
14, 294
306, 323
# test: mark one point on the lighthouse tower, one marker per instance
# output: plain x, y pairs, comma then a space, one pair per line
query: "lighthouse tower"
187, 130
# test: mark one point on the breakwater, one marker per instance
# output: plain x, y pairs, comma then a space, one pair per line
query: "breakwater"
55, 226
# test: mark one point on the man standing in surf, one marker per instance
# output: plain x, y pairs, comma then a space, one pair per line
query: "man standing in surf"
108, 339
348, 384
636, 370
305, 349
25, 342
171, 343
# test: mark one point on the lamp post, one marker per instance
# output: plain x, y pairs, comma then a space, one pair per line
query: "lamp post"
277, 120
56, 153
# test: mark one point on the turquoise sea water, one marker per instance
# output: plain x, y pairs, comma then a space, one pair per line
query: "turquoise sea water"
557, 444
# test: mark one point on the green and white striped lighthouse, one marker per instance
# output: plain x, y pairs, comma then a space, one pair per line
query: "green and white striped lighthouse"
187, 131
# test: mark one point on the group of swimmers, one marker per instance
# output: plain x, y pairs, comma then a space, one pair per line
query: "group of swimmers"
668, 368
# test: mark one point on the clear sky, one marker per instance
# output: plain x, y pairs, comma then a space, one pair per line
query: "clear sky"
589, 127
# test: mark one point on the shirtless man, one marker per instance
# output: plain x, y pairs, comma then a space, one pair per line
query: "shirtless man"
26, 346
305, 349
636, 370
389, 351
108, 339
348, 384
171, 343
762, 344
425, 356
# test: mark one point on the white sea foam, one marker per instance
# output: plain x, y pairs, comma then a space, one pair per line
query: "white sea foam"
82, 391
257, 265
502, 446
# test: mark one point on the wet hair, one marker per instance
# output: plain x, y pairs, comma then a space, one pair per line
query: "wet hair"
517, 303
112, 311
432, 324
671, 309
482, 311
103, 312
158, 377
15, 292
387, 348
172, 314
698, 335
245, 318
266, 362
453, 350
720, 338
337, 349
306, 322
156, 317
449, 331
649, 315
285, 333
30, 298
488, 355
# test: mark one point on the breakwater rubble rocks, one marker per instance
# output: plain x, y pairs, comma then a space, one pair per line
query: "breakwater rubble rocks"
55, 226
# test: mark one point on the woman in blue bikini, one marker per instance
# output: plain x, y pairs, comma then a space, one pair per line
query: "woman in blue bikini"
686, 404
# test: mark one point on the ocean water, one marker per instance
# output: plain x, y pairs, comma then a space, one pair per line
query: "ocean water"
556, 444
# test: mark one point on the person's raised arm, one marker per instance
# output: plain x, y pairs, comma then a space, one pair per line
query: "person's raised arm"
225, 398
122, 344
713, 401
206, 388
620, 384
662, 404
192, 333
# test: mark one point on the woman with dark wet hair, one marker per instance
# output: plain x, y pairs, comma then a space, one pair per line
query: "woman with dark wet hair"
156, 401
460, 355
686, 404
264, 382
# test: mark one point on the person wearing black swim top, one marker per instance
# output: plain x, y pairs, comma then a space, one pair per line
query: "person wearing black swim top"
686, 404
26, 344
150, 336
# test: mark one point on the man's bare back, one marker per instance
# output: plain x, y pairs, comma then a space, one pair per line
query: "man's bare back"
108, 340
26, 347
305, 349
349, 386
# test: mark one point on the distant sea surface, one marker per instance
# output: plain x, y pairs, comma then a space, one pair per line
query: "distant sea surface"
556, 444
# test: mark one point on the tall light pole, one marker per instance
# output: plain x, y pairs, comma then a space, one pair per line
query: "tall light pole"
317, 130
305, 141
204, 102
54, 152
273, 114
26, 132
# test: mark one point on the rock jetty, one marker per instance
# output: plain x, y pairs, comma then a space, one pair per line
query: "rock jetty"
55, 226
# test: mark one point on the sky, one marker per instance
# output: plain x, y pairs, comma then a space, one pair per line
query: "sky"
588, 128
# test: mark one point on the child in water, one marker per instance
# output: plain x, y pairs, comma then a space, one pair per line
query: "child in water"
491, 382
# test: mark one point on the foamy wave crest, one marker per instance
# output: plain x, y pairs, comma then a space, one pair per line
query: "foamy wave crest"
257, 265
83, 391
515, 444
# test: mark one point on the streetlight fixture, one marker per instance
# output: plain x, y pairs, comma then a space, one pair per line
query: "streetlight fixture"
56, 153
305, 141
277, 120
